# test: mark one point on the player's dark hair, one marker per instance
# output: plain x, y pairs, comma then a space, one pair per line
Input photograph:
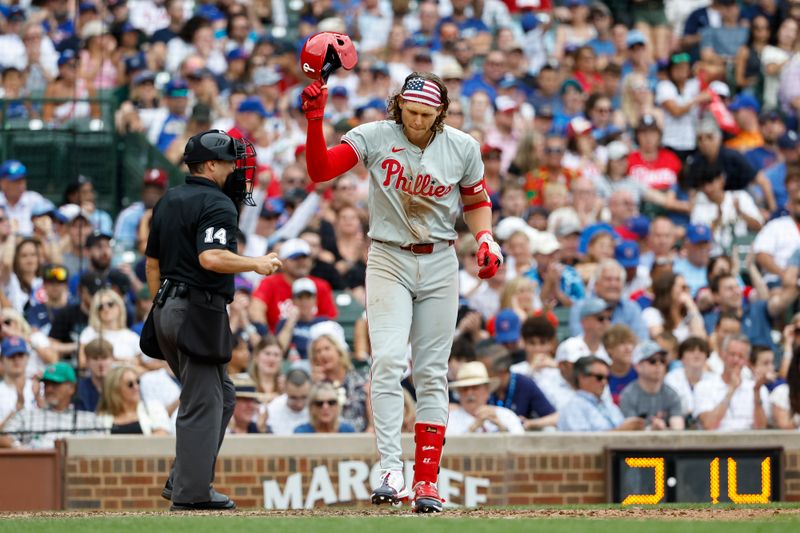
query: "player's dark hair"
694, 343
393, 107
538, 327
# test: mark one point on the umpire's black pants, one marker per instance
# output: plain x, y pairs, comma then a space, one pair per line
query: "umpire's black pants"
206, 406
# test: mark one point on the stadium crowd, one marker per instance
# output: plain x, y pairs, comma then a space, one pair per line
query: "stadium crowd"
642, 158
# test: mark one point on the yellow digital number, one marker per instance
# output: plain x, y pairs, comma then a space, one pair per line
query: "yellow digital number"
656, 463
750, 498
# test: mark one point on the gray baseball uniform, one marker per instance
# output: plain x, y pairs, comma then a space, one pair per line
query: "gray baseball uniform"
414, 198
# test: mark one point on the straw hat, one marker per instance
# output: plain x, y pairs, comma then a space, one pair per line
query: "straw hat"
246, 387
471, 374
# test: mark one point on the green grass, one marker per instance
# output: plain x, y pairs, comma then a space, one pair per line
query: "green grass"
390, 523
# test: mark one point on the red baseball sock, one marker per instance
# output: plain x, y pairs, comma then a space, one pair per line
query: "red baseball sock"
429, 439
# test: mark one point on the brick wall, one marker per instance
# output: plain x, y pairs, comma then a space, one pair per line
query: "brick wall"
128, 472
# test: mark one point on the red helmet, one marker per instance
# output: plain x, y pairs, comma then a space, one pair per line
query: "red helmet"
325, 52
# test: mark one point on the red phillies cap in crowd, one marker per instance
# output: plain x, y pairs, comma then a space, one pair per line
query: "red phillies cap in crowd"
488, 149
155, 176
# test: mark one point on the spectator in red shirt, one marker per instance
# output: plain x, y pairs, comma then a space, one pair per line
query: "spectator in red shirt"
273, 297
652, 165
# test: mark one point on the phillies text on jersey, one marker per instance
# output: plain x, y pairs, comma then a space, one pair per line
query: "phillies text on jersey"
414, 195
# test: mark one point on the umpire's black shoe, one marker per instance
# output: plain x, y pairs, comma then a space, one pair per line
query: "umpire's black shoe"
166, 492
218, 502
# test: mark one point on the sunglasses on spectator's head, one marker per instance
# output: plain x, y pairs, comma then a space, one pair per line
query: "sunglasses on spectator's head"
598, 377
133, 383
657, 360
103, 305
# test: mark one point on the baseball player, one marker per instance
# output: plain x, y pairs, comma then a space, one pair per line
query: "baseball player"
421, 171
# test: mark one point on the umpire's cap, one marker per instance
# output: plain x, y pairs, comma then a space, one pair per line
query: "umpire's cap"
211, 145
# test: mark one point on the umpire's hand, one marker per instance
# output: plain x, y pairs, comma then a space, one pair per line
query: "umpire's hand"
267, 264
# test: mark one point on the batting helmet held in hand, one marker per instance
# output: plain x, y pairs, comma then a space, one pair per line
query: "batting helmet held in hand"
325, 52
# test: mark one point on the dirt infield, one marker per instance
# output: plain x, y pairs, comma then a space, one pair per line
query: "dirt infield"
634, 513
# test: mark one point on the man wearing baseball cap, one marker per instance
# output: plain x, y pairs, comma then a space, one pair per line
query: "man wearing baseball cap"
54, 278
294, 331
39, 428
272, 298
16, 391
171, 120
648, 397
18, 201
126, 230
560, 284
595, 318
694, 266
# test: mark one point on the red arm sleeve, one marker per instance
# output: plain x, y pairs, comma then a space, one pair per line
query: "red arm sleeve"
324, 164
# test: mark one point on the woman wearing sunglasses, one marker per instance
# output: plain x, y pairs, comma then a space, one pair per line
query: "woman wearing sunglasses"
324, 408
121, 401
108, 319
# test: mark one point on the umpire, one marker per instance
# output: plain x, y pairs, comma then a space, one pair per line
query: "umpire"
191, 262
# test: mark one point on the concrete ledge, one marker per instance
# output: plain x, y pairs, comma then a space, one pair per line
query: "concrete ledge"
342, 445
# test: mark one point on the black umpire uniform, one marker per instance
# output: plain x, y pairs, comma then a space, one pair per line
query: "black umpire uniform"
189, 320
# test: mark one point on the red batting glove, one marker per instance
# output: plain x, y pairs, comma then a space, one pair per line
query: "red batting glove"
489, 255
315, 96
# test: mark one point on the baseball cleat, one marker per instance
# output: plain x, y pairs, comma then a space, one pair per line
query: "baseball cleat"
392, 489
426, 498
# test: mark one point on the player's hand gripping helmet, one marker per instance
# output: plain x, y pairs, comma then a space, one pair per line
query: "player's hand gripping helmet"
217, 145
325, 52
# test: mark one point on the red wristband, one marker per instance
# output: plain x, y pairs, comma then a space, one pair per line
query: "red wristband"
472, 207
480, 234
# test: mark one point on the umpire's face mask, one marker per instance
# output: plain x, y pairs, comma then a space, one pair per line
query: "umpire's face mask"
238, 188
239, 183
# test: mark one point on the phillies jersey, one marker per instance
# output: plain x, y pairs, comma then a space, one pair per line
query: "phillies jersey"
661, 173
414, 193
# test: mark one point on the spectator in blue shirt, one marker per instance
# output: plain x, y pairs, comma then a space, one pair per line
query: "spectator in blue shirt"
788, 155
54, 280
126, 230
559, 284
698, 20
99, 359
589, 409
772, 129
494, 70
602, 44
517, 392
547, 91
324, 410
294, 331
619, 341
608, 284
694, 267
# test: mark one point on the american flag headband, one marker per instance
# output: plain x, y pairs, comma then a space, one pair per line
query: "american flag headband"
422, 91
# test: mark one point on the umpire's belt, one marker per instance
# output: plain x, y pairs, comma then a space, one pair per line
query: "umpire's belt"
421, 248
181, 290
